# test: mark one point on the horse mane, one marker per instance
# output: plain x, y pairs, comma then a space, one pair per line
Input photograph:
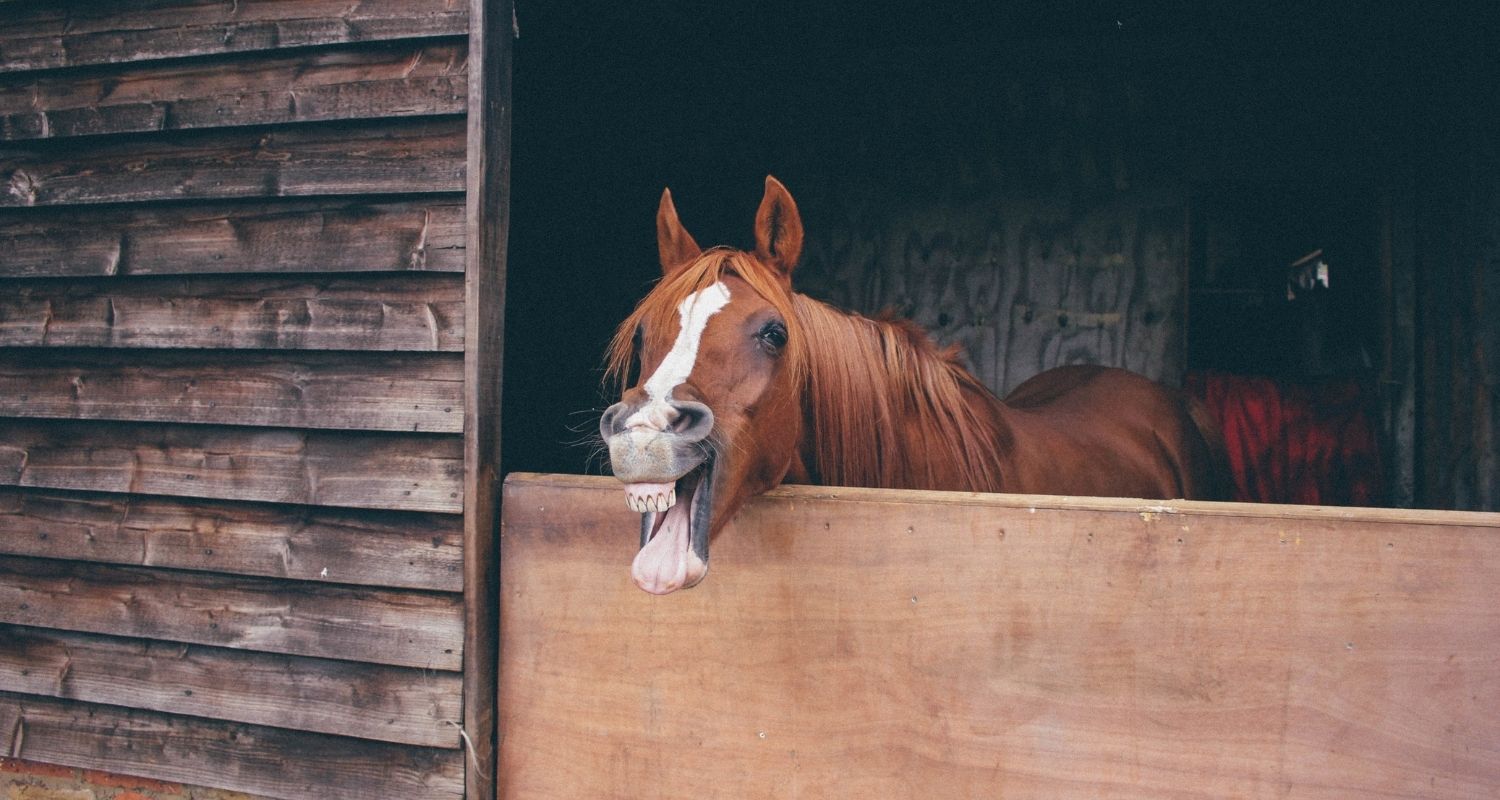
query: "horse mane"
888, 408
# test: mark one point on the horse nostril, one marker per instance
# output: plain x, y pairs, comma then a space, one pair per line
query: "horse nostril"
609, 423
694, 420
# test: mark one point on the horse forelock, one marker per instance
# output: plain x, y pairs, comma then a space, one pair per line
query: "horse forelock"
658, 310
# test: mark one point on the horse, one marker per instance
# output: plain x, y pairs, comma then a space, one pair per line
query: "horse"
742, 384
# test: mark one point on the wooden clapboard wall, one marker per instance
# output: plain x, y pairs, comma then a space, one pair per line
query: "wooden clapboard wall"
237, 352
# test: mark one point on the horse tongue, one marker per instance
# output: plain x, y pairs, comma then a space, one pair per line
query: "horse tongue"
662, 565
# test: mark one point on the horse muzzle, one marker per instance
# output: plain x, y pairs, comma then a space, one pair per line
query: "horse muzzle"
661, 452
658, 441
646, 456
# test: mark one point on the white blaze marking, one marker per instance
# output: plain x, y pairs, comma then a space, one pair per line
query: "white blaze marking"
693, 313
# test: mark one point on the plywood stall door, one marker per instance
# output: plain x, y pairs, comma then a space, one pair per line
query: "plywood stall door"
863, 643
232, 353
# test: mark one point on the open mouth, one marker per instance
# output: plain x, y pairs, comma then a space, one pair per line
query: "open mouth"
674, 530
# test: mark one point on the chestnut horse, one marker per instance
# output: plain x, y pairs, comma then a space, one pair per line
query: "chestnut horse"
745, 384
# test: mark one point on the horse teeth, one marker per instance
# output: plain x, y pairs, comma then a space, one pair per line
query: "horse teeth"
645, 503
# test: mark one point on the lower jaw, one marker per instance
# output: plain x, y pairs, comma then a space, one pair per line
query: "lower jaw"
695, 494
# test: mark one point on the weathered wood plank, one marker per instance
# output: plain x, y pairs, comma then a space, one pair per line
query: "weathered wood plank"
266, 761
409, 629
291, 236
385, 549
909, 644
347, 83
347, 391
1102, 287
391, 704
10, 724
422, 312
1022, 285
408, 472
1003, 239
70, 34
327, 158
488, 229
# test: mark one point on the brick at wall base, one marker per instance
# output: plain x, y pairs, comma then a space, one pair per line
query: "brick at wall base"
34, 780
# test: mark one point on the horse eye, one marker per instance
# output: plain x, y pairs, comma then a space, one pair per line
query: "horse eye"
640, 336
773, 335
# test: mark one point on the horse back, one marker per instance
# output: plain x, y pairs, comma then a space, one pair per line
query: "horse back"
1154, 434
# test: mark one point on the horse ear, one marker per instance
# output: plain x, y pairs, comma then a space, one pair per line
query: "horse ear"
673, 243
778, 228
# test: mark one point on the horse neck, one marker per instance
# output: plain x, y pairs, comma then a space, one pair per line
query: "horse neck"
883, 407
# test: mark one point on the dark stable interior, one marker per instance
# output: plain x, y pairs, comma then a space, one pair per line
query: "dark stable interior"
1284, 129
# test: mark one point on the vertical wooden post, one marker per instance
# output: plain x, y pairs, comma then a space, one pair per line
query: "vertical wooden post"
488, 224
1185, 281
1398, 375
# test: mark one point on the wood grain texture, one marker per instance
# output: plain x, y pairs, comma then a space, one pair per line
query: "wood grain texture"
347, 83
1457, 311
386, 549
231, 403
287, 236
491, 39
1104, 289
265, 761
73, 33
410, 629
1399, 347
383, 471
398, 156
1041, 224
392, 704
861, 643
1022, 284
422, 312
347, 391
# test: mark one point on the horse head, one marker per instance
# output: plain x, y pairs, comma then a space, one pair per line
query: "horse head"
714, 415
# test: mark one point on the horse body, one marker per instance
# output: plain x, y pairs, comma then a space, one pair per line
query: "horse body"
1149, 445
917, 420
744, 384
